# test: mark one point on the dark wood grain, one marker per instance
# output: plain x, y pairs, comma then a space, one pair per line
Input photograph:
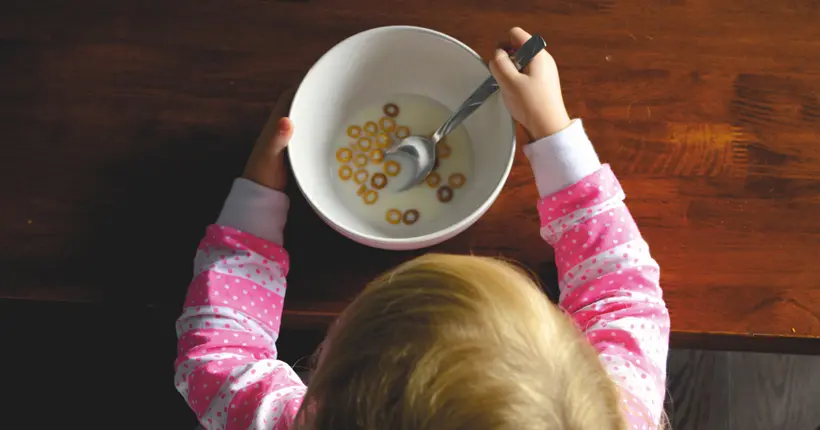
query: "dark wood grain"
719, 390
698, 395
123, 123
773, 391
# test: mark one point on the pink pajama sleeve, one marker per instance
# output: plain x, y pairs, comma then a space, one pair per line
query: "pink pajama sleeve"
608, 280
227, 368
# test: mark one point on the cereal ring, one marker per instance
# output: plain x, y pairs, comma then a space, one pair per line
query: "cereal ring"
382, 140
387, 124
443, 150
364, 144
345, 172
391, 110
378, 181
371, 128
361, 176
392, 168
410, 216
354, 131
360, 160
370, 197
361, 190
376, 156
457, 180
393, 216
444, 194
402, 131
433, 179
344, 155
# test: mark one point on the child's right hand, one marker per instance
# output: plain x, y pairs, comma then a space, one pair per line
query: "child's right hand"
533, 95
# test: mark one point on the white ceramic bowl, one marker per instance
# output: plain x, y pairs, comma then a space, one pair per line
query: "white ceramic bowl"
368, 68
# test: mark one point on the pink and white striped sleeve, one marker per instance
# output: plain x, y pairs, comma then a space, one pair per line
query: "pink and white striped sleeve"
609, 282
227, 368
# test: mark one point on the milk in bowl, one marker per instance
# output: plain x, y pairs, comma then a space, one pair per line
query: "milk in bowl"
368, 183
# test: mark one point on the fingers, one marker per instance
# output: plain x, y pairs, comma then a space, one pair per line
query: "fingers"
276, 136
266, 165
518, 37
503, 69
283, 134
270, 132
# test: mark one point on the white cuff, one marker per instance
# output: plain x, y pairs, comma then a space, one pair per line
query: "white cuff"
256, 209
562, 159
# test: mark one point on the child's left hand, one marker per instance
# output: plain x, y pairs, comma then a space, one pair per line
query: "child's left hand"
266, 165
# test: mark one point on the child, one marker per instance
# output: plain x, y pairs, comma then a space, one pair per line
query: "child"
442, 341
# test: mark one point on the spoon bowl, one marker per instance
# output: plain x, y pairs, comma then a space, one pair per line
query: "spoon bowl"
420, 152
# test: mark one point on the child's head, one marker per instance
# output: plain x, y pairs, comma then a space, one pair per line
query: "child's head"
457, 342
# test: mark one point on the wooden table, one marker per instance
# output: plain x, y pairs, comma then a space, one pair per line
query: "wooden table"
123, 122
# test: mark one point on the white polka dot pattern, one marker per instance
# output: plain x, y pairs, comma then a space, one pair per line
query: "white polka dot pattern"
610, 286
645, 332
266, 273
186, 366
283, 402
206, 322
559, 222
634, 252
227, 368
194, 316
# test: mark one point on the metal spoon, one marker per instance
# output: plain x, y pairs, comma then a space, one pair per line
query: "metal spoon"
421, 151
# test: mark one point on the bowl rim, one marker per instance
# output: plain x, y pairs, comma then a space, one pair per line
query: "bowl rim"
404, 242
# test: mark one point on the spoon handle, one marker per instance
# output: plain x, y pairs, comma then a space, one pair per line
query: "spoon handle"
522, 57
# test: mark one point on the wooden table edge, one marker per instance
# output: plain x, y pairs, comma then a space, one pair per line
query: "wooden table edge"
320, 320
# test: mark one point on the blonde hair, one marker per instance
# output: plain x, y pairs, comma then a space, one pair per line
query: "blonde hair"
457, 342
